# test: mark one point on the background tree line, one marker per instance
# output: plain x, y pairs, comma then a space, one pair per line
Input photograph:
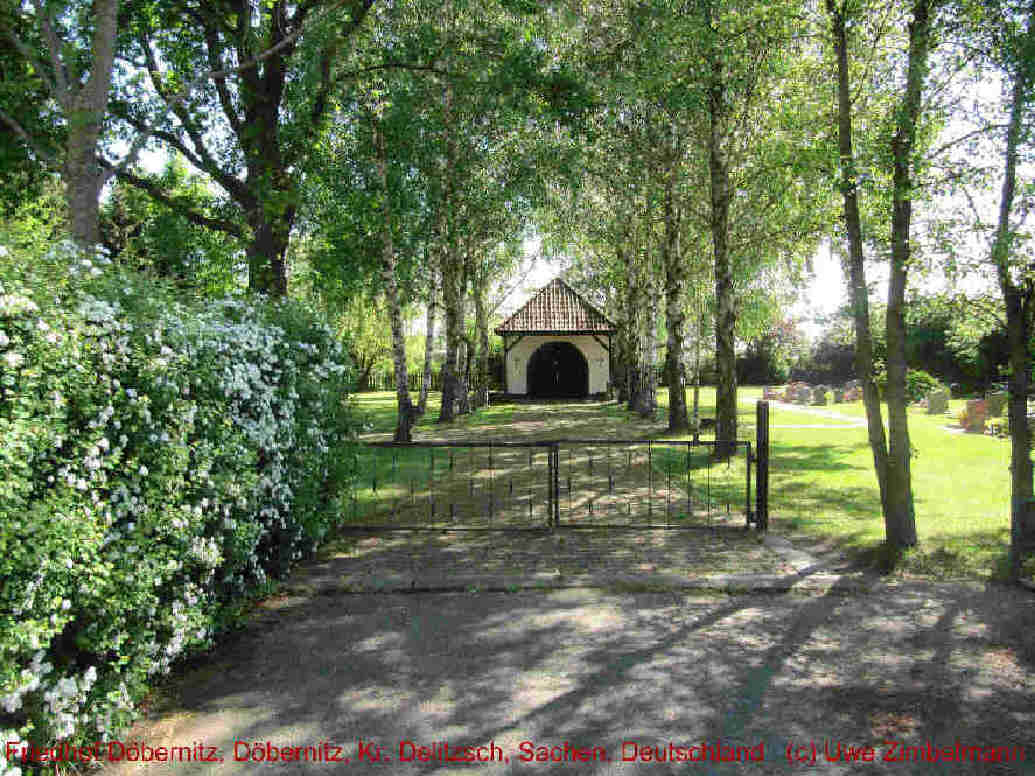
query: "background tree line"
688, 157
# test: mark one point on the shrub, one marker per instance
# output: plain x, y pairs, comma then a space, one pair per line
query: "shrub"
918, 383
159, 462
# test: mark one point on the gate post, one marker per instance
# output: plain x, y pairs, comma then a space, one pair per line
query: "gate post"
762, 462
556, 484
549, 487
748, 460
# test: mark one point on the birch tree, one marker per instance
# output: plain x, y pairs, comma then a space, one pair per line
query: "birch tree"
891, 454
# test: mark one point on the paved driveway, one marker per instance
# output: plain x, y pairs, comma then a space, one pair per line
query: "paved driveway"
371, 682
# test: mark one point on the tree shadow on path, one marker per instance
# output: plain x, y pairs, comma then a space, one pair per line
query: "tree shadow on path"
910, 662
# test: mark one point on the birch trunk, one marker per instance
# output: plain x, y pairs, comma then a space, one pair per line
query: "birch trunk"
856, 267
638, 297
451, 271
696, 421
623, 355
405, 414
429, 340
633, 290
453, 322
900, 517
649, 387
1019, 299
464, 374
675, 313
725, 319
481, 318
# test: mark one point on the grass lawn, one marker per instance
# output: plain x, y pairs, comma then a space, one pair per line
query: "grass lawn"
823, 490
823, 486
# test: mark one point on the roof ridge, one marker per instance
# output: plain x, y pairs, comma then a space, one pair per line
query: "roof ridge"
557, 307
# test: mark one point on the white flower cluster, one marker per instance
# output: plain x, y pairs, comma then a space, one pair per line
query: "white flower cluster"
66, 698
206, 552
182, 485
183, 620
29, 680
12, 305
100, 312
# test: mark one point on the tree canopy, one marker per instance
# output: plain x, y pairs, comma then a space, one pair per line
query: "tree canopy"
685, 159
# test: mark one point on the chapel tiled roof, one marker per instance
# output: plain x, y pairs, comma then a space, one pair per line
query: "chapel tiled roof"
554, 309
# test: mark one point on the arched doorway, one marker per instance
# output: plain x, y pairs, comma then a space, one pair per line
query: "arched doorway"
558, 370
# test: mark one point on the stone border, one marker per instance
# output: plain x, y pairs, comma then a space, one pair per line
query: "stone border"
808, 579
632, 583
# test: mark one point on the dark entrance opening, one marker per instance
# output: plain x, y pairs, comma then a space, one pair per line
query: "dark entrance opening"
558, 370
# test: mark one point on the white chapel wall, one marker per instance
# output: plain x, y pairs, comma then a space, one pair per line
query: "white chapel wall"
595, 353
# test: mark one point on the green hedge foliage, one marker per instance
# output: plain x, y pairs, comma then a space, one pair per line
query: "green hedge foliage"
918, 383
160, 461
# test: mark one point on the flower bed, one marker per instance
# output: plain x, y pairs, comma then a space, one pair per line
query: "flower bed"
160, 461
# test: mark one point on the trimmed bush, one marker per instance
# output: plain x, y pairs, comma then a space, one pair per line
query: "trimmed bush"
918, 383
160, 461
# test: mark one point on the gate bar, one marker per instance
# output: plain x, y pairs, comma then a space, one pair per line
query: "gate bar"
762, 462
760, 458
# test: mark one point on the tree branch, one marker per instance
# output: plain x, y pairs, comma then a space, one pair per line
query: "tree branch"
963, 138
973, 209
231, 183
214, 50
129, 159
24, 135
26, 51
252, 63
329, 55
514, 286
208, 163
177, 205
61, 93
248, 65
399, 66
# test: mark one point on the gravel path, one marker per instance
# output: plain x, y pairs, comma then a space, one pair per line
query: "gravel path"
407, 560
829, 414
615, 674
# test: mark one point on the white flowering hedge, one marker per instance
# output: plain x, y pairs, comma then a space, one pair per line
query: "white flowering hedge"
159, 462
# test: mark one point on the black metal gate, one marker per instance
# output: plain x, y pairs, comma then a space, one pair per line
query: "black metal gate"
571, 483
653, 484
456, 485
